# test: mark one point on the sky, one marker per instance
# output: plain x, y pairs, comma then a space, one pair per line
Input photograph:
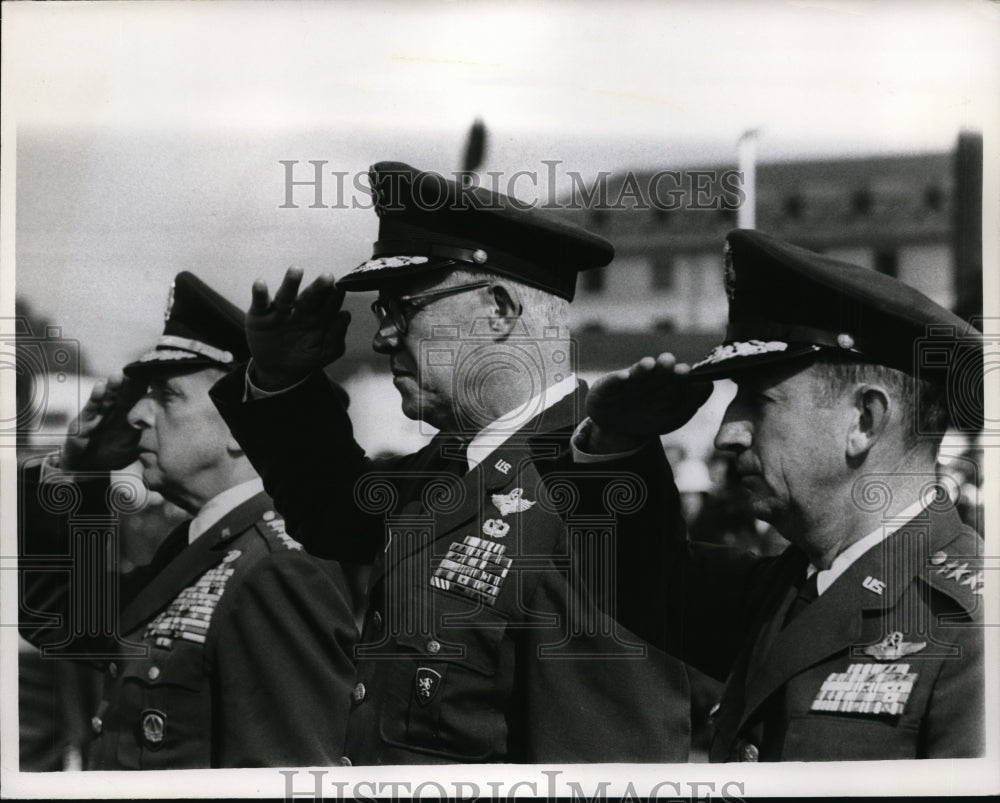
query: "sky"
148, 136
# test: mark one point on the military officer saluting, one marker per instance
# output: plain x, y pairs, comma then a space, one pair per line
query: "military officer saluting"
238, 642
490, 634
863, 640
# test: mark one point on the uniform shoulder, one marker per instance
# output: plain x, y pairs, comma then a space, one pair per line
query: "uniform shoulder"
270, 528
956, 570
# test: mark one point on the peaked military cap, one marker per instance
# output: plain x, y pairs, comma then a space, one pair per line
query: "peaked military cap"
202, 329
786, 302
428, 222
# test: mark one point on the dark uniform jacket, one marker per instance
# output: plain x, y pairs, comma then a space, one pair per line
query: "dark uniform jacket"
886, 663
233, 651
488, 636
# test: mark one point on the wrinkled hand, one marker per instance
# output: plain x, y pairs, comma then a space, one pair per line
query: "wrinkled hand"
652, 397
295, 333
100, 438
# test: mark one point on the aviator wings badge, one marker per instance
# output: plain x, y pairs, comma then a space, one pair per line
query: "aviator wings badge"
892, 647
512, 502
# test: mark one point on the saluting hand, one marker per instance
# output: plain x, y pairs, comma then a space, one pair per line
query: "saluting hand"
101, 438
295, 333
651, 397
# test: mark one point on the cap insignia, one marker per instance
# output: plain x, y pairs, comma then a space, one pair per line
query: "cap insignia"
729, 272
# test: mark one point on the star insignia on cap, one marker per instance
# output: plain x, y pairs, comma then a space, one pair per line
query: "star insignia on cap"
170, 303
378, 195
729, 272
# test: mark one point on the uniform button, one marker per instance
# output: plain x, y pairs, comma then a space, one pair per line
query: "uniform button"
377, 620
345, 762
96, 725
113, 669
749, 752
359, 692
153, 673
433, 647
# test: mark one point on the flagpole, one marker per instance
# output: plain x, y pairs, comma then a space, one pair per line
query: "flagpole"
746, 217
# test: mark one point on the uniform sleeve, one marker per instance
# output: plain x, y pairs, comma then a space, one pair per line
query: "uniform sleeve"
283, 667
44, 547
955, 726
691, 599
301, 443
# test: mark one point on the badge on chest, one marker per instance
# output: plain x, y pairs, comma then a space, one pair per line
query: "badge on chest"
868, 688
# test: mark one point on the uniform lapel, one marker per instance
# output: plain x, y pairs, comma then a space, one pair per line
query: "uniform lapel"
193, 561
541, 438
833, 622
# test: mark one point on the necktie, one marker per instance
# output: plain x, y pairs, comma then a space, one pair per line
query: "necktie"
808, 591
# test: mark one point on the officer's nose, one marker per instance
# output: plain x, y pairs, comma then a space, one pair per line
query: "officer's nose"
141, 414
387, 337
735, 432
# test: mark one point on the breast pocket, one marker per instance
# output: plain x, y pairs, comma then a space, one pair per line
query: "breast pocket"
165, 710
848, 737
448, 697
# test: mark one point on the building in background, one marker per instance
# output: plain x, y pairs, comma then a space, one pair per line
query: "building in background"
915, 217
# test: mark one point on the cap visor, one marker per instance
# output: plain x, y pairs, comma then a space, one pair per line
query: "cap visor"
373, 273
722, 367
164, 360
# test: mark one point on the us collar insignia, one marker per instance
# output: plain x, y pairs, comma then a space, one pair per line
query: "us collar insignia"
512, 502
893, 647
427, 682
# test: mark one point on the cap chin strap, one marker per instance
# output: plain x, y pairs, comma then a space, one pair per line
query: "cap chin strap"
196, 346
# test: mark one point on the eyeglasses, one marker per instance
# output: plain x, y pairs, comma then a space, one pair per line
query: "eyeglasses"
399, 309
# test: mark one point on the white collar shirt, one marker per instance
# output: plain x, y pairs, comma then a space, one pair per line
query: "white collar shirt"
496, 433
826, 577
221, 504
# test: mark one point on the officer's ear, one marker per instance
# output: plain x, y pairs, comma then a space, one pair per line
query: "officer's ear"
872, 409
505, 309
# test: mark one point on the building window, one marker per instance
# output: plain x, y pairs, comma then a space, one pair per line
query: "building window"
727, 215
593, 280
862, 202
661, 216
934, 198
887, 262
663, 273
795, 207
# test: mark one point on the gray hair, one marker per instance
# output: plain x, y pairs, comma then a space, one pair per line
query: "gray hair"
923, 405
541, 308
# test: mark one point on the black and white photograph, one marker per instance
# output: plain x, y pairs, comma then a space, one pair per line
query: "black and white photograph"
465, 400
